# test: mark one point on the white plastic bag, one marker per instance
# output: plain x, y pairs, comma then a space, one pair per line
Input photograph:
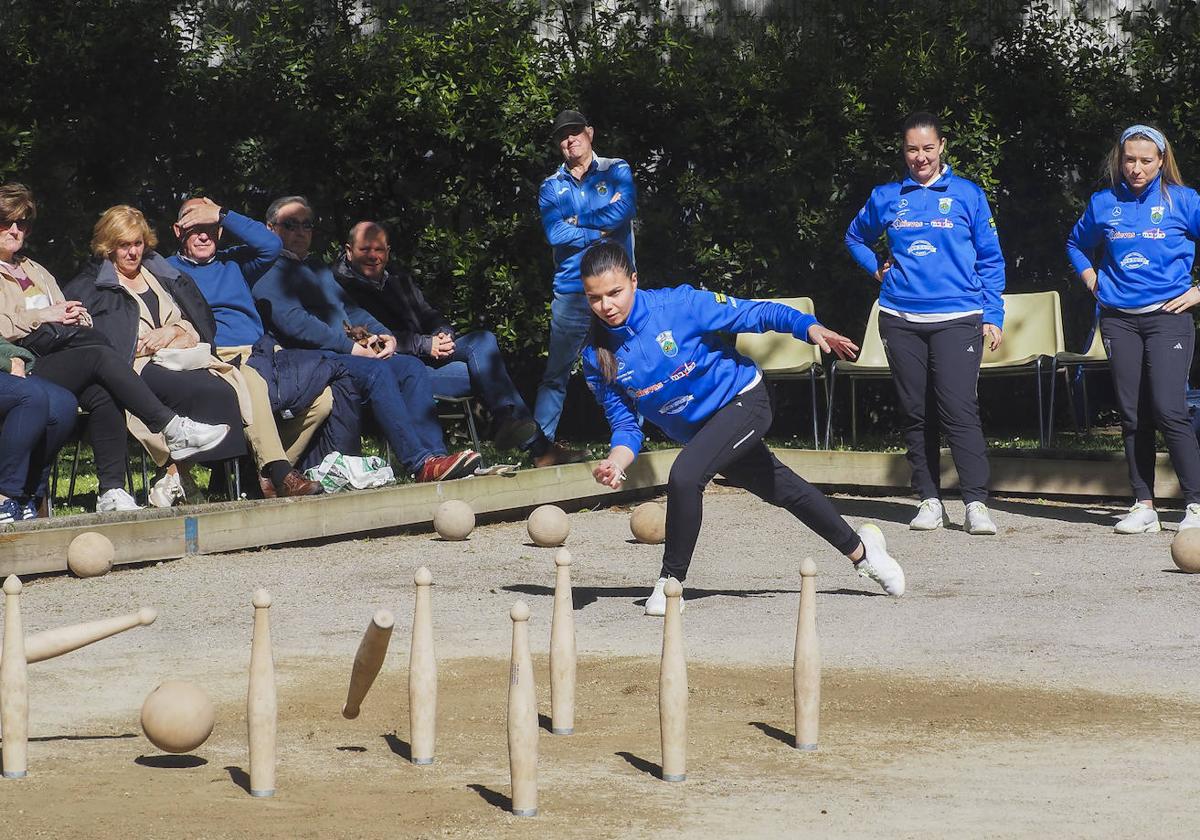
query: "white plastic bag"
338, 472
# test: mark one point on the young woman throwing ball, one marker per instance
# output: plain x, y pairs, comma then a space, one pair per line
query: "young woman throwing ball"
657, 353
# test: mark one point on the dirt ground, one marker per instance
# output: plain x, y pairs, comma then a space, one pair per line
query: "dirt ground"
1041, 683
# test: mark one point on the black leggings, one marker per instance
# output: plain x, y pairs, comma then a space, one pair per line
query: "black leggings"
106, 387
730, 443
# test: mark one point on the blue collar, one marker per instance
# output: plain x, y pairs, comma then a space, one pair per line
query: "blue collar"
942, 184
1124, 193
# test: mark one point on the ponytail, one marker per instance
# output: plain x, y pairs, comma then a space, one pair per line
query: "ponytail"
600, 258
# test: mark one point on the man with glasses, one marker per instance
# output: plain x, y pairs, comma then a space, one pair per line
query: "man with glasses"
303, 306
587, 199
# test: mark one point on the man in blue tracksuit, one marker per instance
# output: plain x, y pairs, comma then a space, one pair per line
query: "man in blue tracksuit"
1144, 228
660, 354
586, 200
939, 299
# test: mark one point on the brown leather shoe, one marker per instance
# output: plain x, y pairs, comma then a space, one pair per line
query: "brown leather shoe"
295, 484
267, 487
559, 454
449, 467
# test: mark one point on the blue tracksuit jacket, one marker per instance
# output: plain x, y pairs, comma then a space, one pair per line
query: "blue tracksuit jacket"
945, 252
673, 366
1149, 243
590, 202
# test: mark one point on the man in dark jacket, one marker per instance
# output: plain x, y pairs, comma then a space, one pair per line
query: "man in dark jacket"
458, 364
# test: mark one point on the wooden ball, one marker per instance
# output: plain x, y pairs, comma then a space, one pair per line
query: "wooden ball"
90, 555
648, 522
1185, 550
548, 526
454, 520
177, 716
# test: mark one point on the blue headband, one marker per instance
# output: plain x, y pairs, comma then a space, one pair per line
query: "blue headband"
1153, 134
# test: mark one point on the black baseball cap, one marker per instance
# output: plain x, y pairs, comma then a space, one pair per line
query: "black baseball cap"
566, 119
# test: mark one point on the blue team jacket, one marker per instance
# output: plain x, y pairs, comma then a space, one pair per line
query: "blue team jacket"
590, 202
945, 252
673, 366
1148, 243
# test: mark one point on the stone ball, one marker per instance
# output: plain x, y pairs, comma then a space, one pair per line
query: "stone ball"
90, 555
548, 526
648, 522
177, 716
454, 520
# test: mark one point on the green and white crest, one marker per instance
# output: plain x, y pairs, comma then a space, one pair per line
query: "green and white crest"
1156, 213
944, 205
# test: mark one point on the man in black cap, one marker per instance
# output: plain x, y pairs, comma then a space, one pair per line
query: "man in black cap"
587, 199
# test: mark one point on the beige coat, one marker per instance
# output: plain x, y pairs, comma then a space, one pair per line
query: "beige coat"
15, 320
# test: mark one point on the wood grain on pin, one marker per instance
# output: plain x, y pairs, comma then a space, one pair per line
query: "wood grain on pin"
562, 649
422, 674
51, 643
260, 700
672, 689
367, 661
522, 718
14, 685
806, 669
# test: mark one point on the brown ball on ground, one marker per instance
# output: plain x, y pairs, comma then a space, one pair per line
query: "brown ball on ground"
548, 526
177, 716
1185, 550
648, 523
454, 520
90, 555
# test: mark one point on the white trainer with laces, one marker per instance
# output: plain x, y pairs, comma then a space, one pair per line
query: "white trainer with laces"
1141, 519
656, 604
877, 564
1191, 517
979, 521
165, 492
187, 438
115, 500
931, 515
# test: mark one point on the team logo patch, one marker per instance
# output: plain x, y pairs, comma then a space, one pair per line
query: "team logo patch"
666, 341
676, 405
944, 205
922, 248
1134, 260
1156, 214
602, 188
620, 365
1116, 212
944, 224
903, 202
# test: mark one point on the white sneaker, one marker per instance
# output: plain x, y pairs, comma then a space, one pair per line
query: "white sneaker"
931, 515
115, 500
187, 437
877, 564
165, 492
656, 604
1140, 520
979, 522
1191, 517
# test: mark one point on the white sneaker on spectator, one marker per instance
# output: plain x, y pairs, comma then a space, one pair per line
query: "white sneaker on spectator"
165, 492
1141, 519
656, 604
1191, 517
979, 522
877, 564
114, 500
931, 515
187, 437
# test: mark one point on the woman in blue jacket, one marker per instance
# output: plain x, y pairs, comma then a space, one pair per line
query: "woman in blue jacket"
939, 299
1143, 227
657, 353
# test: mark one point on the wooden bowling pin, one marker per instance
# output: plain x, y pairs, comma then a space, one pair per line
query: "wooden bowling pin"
14, 684
522, 718
562, 649
367, 662
422, 674
672, 688
51, 643
260, 700
806, 670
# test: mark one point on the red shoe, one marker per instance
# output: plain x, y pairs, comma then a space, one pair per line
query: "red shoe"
449, 467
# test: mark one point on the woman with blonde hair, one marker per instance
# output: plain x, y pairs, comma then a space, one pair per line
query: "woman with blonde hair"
35, 314
1143, 228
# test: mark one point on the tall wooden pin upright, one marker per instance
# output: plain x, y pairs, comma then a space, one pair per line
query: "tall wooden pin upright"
367, 661
14, 685
562, 649
672, 688
260, 700
522, 718
806, 670
422, 674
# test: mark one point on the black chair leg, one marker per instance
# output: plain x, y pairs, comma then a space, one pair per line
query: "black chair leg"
812, 381
829, 406
74, 472
853, 412
1050, 418
1041, 408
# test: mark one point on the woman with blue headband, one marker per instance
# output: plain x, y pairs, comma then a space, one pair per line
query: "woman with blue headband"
1134, 248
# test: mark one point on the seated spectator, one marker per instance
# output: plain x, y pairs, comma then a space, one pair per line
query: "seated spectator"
35, 315
36, 418
303, 306
459, 364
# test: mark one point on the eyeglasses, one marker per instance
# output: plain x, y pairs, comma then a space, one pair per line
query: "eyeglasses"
293, 225
22, 224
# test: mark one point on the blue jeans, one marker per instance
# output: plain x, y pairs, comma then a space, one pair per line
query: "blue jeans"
570, 319
38, 417
400, 395
476, 367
